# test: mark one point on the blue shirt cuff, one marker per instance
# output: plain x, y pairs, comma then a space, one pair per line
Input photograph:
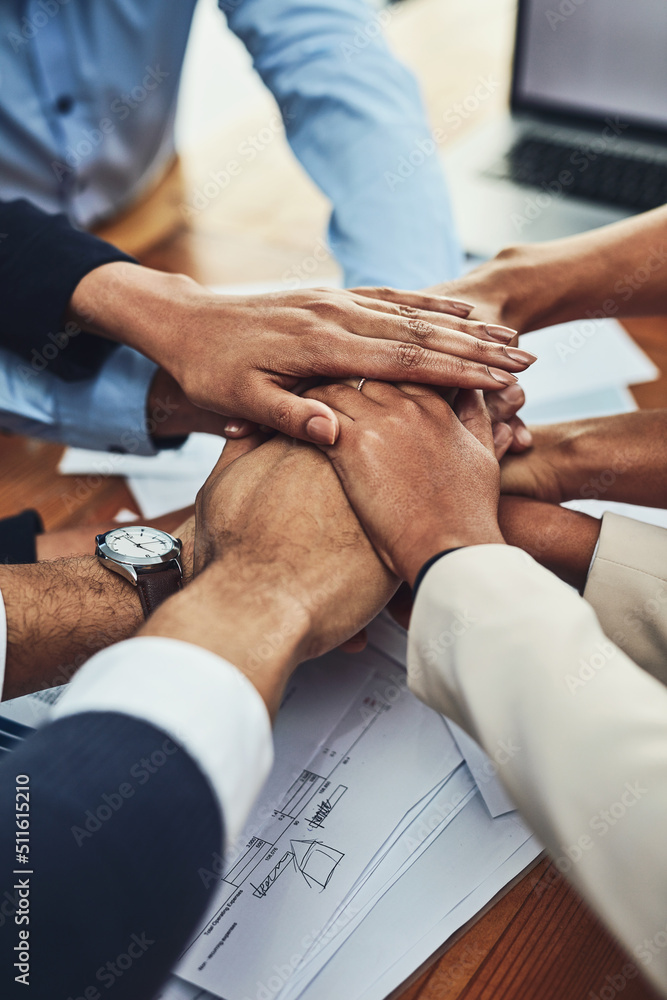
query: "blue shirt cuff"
108, 412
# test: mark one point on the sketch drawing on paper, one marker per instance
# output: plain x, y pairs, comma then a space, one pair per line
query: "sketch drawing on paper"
315, 861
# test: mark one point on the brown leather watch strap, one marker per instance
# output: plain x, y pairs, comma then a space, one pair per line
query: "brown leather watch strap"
154, 588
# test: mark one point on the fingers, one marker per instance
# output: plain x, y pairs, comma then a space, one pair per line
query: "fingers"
418, 300
503, 404
303, 417
234, 428
415, 329
502, 439
473, 414
348, 403
521, 436
502, 407
404, 362
452, 321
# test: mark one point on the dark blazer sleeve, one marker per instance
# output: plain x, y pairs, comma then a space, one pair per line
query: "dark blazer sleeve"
121, 822
42, 259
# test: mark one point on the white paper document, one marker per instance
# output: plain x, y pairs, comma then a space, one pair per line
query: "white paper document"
580, 358
319, 826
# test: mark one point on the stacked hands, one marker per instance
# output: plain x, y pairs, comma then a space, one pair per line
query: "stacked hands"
318, 526
275, 344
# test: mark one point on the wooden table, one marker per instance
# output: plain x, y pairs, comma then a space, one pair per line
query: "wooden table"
540, 941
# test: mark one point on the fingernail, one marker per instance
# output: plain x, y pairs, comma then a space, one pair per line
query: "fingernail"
464, 307
523, 437
232, 427
500, 433
523, 357
505, 377
512, 394
321, 429
502, 333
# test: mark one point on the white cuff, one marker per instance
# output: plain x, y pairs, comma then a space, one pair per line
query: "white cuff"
203, 702
3, 643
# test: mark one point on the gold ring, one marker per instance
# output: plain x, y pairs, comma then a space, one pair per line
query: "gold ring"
360, 384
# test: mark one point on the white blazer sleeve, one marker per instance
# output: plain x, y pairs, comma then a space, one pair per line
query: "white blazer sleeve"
518, 659
627, 586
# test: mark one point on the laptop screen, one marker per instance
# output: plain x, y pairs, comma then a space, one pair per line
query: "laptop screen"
593, 59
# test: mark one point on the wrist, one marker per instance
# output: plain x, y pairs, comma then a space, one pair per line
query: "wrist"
258, 626
58, 614
580, 459
428, 547
560, 539
530, 285
133, 305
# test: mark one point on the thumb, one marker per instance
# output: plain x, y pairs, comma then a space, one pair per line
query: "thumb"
471, 410
235, 448
298, 417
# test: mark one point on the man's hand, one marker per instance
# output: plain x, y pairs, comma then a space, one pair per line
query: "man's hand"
284, 570
242, 356
420, 477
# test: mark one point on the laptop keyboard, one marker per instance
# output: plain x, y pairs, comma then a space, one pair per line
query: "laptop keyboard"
609, 177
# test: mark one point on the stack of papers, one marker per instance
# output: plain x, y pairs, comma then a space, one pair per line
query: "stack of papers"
371, 841
382, 829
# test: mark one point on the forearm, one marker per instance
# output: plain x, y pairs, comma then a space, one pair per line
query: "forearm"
58, 614
623, 458
559, 539
353, 116
258, 627
129, 304
618, 270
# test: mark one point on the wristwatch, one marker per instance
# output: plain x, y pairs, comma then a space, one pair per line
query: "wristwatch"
149, 558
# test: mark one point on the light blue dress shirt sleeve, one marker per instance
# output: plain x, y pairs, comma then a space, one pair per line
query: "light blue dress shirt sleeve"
106, 412
354, 118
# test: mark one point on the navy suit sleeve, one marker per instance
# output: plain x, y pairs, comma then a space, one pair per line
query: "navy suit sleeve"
122, 822
42, 259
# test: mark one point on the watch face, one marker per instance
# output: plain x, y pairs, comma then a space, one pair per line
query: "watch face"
134, 543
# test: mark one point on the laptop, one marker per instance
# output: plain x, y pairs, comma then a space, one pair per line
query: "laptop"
585, 141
